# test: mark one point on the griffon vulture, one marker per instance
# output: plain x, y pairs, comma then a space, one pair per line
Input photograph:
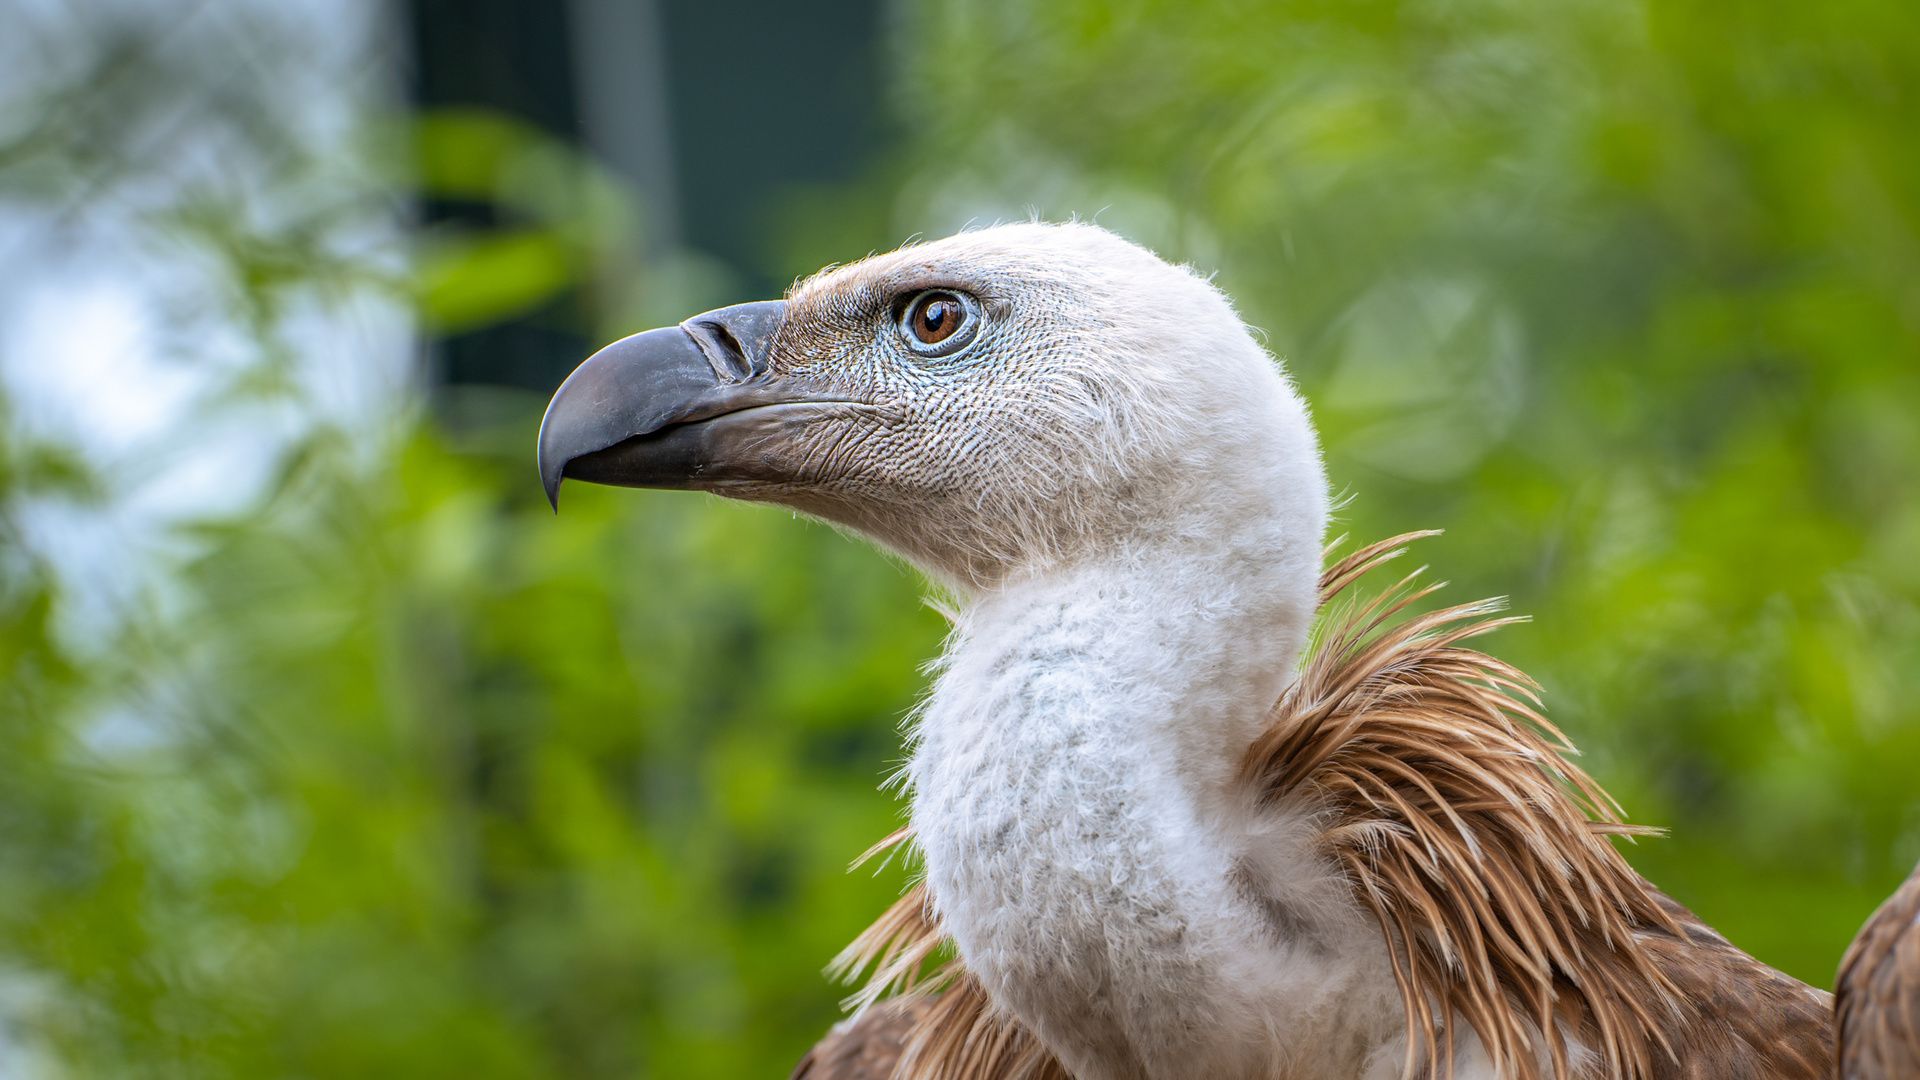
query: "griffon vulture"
1164, 837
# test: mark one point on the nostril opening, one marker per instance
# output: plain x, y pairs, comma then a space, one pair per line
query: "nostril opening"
722, 350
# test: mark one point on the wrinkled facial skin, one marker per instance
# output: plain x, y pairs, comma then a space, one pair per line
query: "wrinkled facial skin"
956, 448
1078, 411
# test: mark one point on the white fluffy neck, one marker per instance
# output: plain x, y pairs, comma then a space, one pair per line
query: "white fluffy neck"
1084, 839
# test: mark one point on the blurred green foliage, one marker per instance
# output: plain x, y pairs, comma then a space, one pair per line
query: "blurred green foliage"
428, 782
563, 219
412, 778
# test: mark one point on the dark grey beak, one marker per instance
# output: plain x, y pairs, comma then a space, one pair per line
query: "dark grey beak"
664, 409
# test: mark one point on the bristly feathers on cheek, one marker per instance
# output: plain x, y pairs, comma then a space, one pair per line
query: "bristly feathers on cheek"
1045, 435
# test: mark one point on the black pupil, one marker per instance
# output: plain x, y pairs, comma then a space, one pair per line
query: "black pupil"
936, 316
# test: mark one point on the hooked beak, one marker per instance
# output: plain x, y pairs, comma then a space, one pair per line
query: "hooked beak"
693, 406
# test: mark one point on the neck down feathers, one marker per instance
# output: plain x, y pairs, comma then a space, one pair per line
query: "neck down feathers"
1480, 849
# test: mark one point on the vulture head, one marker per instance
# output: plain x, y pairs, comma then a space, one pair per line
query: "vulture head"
989, 405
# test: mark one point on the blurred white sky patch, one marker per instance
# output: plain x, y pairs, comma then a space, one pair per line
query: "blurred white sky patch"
200, 258
23, 994
83, 363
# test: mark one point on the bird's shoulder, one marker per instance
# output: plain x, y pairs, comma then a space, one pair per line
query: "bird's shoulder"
866, 1047
1734, 1016
1877, 993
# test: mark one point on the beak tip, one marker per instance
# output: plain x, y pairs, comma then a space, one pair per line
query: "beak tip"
552, 469
550, 457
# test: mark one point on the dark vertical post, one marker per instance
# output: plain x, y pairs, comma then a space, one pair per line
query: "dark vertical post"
621, 84
513, 57
767, 95
709, 110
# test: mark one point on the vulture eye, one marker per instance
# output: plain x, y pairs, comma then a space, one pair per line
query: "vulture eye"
940, 323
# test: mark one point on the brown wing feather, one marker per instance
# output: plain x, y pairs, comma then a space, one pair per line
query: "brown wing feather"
1878, 993
1482, 851
1737, 1017
867, 1047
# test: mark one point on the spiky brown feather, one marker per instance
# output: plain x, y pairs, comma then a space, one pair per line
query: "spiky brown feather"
956, 1034
1483, 852
1480, 849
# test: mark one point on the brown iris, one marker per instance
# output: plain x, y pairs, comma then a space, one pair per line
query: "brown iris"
939, 323
935, 316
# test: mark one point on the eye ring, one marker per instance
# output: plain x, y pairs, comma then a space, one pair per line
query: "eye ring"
939, 322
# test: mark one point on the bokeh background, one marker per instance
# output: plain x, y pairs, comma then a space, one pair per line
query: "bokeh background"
326, 750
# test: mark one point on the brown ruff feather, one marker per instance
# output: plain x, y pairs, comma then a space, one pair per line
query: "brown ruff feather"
1481, 850
1479, 847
